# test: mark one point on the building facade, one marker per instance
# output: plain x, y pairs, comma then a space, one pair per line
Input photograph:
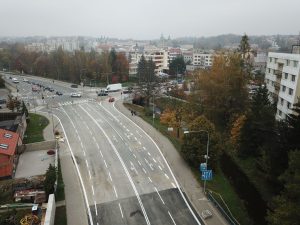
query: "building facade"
282, 81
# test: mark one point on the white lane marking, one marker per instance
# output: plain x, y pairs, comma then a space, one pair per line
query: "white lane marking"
94, 139
97, 146
139, 163
144, 170
83, 152
154, 160
130, 149
86, 162
90, 174
159, 167
151, 167
167, 176
171, 217
110, 176
105, 163
115, 192
150, 179
96, 208
149, 154
121, 210
173, 185
164, 159
130, 133
135, 138
140, 143
144, 148
123, 165
146, 161
93, 190
77, 168
134, 155
127, 130
159, 195
101, 153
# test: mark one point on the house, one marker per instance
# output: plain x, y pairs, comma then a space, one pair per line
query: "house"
13, 121
9, 142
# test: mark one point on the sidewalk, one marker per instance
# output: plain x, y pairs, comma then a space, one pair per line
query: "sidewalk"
75, 205
181, 170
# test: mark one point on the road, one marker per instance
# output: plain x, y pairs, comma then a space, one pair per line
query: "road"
124, 177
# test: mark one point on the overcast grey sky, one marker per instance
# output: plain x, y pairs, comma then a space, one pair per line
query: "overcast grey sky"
148, 19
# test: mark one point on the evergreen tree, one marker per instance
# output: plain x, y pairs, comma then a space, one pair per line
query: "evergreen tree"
50, 180
293, 122
142, 68
177, 66
24, 109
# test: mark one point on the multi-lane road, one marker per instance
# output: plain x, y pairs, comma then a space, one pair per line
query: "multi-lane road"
124, 176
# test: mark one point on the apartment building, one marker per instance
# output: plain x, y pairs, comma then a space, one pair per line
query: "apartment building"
202, 59
282, 81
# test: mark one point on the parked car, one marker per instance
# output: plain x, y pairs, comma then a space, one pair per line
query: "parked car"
111, 99
74, 86
15, 80
59, 93
75, 95
102, 93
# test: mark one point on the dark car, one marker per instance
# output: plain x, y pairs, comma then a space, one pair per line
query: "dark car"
74, 86
59, 93
51, 89
102, 93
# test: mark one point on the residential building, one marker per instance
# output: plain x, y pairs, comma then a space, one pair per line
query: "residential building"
9, 141
260, 61
202, 59
174, 53
282, 81
188, 56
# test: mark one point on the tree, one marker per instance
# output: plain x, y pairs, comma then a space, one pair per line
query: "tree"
24, 109
293, 122
50, 180
286, 206
244, 49
194, 144
177, 66
235, 132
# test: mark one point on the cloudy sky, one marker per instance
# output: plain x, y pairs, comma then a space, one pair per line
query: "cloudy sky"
148, 19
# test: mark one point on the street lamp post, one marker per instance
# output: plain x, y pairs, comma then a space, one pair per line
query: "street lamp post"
207, 148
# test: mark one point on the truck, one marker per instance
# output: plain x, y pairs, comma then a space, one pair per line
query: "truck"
113, 87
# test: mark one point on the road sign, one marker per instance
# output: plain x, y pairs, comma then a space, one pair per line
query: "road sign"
206, 175
203, 167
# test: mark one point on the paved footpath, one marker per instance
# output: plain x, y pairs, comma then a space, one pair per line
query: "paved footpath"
75, 205
181, 170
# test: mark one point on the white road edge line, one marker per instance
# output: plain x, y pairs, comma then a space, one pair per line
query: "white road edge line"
123, 165
159, 195
176, 182
96, 208
121, 210
171, 217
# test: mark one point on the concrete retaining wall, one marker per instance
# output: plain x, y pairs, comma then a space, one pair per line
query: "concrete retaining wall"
50, 212
44, 145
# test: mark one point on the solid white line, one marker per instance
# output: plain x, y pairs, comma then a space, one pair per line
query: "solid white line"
159, 167
167, 176
150, 179
159, 195
171, 217
93, 190
115, 192
77, 169
110, 176
176, 182
144, 170
105, 163
121, 210
96, 208
101, 153
123, 165
139, 163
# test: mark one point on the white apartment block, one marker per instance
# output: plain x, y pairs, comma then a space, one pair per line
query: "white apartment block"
202, 59
159, 57
283, 82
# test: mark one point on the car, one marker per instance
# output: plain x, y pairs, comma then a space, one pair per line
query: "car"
206, 214
25, 80
59, 93
102, 93
51, 89
15, 80
74, 86
75, 95
111, 99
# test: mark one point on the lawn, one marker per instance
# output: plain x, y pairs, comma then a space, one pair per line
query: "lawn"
219, 185
60, 216
34, 131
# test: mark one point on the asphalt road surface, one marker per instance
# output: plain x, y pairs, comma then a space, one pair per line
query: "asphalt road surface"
124, 176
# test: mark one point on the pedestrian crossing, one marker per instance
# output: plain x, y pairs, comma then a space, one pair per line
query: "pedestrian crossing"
76, 102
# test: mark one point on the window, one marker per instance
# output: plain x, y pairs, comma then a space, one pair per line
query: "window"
268, 81
281, 101
295, 63
7, 135
269, 70
293, 77
291, 91
287, 62
270, 59
283, 88
286, 75
275, 60
288, 105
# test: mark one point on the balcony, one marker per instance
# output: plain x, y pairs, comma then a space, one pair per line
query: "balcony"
277, 87
278, 74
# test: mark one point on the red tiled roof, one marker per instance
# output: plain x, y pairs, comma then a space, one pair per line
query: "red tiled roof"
11, 142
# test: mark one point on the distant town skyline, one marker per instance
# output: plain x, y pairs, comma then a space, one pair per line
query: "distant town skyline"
147, 19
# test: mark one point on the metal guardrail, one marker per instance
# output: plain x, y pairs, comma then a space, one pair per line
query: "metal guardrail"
230, 219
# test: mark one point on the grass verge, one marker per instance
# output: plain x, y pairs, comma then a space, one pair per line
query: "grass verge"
60, 216
34, 131
220, 184
60, 190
